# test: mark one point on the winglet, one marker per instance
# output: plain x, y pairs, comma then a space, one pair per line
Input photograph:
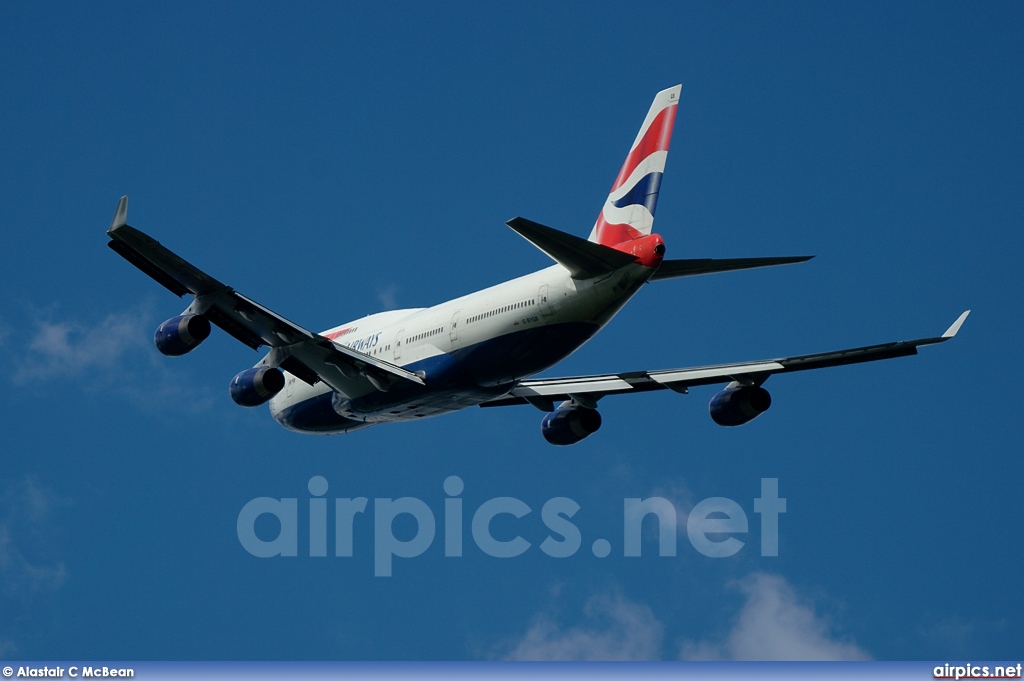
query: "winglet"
951, 331
120, 215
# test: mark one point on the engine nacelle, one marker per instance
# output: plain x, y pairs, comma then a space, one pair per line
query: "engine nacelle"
569, 425
181, 334
739, 405
253, 387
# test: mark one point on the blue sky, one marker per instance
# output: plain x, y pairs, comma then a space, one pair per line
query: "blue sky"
333, 160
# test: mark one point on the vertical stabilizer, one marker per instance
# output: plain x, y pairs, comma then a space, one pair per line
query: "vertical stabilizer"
628, 212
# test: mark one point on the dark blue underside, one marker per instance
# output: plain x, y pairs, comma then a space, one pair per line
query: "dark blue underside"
454, 381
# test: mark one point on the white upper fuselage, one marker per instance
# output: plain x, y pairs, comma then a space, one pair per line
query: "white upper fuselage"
446, 341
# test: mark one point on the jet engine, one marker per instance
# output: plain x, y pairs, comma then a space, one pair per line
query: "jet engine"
737, 405
569, 425
181, 334
255, 386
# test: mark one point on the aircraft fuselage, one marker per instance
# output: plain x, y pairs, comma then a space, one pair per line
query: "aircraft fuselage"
468, 350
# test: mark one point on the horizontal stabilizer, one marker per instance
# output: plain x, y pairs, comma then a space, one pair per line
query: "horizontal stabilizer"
584, 259
671, 269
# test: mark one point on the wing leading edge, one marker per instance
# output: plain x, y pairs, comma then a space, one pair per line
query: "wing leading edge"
307, 355
545, 392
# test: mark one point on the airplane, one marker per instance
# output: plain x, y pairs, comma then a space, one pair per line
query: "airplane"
482, 349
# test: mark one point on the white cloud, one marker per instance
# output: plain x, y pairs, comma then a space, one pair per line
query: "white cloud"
680, 496
387, 296
164, 391
956, 636
25, 508
678, 493
112, 355
775, 623
20, 575
60, 349
951, 634
31, 571
614, 629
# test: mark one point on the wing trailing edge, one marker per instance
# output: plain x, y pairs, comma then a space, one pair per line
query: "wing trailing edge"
543, 392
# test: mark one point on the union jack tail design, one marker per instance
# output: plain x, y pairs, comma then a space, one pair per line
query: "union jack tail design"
628, 212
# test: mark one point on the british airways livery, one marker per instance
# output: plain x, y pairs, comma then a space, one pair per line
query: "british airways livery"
481, 349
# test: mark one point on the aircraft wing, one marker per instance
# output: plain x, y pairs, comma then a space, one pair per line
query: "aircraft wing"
544, 393
307, 355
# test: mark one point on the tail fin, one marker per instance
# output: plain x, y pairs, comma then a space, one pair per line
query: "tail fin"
628, 212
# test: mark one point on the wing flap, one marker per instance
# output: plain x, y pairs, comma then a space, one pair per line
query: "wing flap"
230, 326
688, 377
157, 256
870, 353
602, 384
162, 278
